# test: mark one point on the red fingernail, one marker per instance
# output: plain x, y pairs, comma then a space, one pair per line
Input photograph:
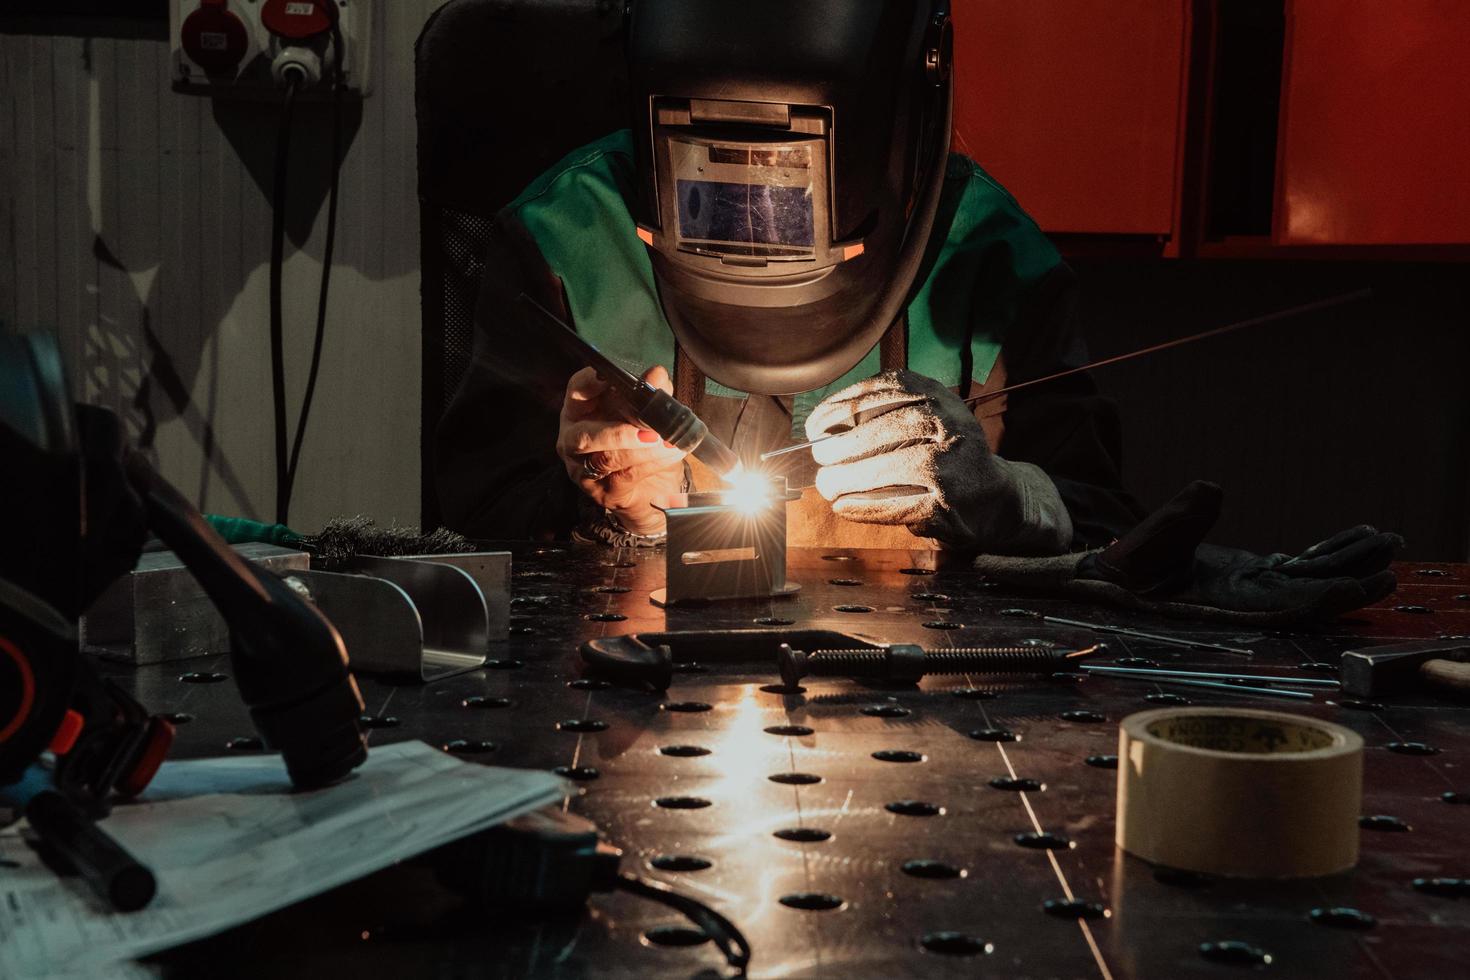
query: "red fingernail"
668, 445
647, 435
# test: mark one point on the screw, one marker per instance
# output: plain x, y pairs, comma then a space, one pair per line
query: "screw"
908, 662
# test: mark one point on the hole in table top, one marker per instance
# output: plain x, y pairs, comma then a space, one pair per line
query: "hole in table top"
995, 735
916, 571
203, 677
618, 564
774, 621
609, 589
377, 721
811, 901
1019, 784
898, 755
675, 936
177, 717
1135, 662
1383, 822
783, 689
1412, 748
1235, 953
1044, 841
849, 582
690, 667
793, 730
914, 808
245, 743
605, 617
534, 574
1082, 716
1075, 908
853, 609
588, 684
579, 774
885, 711
934, 597
803, 835
468, 746
680, 862
1317, 667
839, 558
1342, 917
681, 802
1102, 761
483, 702
581, 725
684, 751
933, 869
795, 778
943, 624
1165, 697
955, 944
974, 693
505, 663
686, 706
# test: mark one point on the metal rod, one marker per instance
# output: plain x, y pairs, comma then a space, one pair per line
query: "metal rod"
1255, 321
1156, 672
1273, 692
1155, 637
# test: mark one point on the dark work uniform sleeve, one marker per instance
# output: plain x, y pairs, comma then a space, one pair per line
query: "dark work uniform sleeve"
1065, 427
495, 461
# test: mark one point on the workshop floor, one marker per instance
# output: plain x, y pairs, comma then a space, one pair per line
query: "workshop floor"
857, 831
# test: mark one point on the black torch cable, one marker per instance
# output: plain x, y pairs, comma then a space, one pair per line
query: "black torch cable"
326, 276
721, 931
278, 249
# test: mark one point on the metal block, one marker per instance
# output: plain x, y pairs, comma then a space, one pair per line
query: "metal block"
723, 549
158, 612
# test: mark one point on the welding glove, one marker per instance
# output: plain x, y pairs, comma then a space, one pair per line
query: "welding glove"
1161, 566
904, 449
623, 468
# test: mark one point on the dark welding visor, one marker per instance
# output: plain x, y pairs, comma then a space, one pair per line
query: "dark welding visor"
789, 169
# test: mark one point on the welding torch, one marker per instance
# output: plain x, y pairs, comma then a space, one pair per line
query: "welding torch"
652, 407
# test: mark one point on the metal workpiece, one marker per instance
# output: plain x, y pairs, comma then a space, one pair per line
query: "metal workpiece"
957, 826
159, 612
1148, 673
907, 662
727, 545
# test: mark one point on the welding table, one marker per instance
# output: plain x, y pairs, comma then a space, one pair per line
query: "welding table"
860, 831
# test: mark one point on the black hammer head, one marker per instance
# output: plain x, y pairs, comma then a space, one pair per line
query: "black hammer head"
1382, 670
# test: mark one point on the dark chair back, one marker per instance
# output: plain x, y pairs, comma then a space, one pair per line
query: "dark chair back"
503, 89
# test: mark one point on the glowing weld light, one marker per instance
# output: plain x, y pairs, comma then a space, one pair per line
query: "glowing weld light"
746, 491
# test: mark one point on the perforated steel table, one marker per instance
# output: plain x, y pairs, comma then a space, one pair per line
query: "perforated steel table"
862, 831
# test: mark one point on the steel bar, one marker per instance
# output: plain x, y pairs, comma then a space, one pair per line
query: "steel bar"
1208, 675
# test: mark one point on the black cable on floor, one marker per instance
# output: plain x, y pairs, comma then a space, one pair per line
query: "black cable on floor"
278, 249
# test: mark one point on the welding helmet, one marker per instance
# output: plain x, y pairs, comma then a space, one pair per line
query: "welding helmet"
789, 160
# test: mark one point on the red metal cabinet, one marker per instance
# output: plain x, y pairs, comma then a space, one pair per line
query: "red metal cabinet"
1074, 105
1375, 123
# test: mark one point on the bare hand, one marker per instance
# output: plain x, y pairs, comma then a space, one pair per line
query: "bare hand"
628, 470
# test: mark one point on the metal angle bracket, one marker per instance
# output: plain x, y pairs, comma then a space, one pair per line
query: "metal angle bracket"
717, 549
422, 619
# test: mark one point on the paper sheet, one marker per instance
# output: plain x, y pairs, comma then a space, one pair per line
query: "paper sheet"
229, 842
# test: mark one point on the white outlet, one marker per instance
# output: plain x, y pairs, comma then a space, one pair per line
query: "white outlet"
227, 50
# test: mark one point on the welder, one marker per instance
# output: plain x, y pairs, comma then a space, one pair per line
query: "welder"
784, 240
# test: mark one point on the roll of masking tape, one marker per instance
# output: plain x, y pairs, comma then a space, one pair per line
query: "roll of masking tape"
1240, 792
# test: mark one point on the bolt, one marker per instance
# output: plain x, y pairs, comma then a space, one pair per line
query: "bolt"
908, 662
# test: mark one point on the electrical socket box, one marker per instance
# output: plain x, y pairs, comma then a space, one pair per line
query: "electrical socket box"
245, 48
